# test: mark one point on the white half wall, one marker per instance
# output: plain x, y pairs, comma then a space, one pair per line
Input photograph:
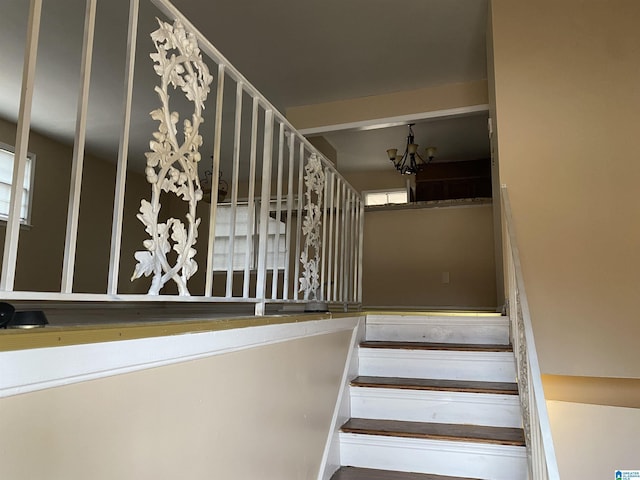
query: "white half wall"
248, 403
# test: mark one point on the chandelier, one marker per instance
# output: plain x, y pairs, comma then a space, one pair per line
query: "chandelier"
207, 184
411, 162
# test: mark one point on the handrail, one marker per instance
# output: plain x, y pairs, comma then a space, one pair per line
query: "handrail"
542, 459
168, 255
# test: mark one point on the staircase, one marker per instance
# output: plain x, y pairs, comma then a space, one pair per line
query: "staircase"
435, 399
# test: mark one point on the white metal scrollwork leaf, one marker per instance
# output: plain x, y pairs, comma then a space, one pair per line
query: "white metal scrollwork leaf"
310, 258
523, 374
172, 165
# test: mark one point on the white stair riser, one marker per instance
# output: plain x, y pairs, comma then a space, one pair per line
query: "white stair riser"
464, 459
412, 328
437, 364
436, 406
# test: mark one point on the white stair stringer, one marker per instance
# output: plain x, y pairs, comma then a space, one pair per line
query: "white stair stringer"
479, 329
497, 410
440, 457
437, 364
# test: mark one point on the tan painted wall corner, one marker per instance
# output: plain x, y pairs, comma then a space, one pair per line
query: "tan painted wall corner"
567, 101
618, 392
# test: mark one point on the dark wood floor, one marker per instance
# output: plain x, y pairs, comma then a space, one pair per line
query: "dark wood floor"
436, 431
459, 347
353, 473
436, 385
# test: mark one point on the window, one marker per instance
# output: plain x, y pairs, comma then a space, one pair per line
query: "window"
385, 197
6, 177
244, 229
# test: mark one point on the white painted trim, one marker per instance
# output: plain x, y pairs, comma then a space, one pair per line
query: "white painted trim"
438, 364
498, 410
441, 457
341, 413
299, 223
436, 355
462, 319
439, 328
25, 371
466, 397
439, 445
123, 151
437, 321
77, 165
395, 121
215, 176
421, 309
265, 197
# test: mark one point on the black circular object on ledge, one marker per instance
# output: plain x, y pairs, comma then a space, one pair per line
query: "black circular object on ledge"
6, 313
28, 319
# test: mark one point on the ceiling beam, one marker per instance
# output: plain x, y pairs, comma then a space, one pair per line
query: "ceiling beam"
377, 111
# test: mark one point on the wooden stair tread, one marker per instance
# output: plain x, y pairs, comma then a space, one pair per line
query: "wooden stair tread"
503, 388
354, 473
461, 347
436, 431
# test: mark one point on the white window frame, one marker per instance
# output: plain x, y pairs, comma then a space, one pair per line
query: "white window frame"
367, 193
31, 159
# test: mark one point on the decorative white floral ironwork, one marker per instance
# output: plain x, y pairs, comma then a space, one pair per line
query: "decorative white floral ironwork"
310, 258
172, 166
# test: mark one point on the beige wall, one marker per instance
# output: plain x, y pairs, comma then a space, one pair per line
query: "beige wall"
407, 251
428, 99
495, 168
567, 102
619, 392
458, 240
415, 281
41, 248
259, 413
378, 180
593, 441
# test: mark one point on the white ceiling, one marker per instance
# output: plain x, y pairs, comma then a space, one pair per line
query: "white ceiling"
295, 52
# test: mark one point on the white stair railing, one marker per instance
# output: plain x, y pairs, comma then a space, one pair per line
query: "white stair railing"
297, 202
541, 452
